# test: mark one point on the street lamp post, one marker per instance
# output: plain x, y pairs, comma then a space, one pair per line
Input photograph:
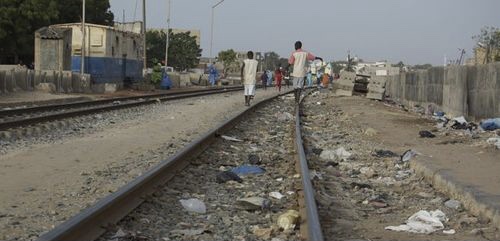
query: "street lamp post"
168, 27
82, 64
212, 29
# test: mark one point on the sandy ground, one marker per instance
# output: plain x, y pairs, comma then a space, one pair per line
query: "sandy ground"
45, 184
363, 126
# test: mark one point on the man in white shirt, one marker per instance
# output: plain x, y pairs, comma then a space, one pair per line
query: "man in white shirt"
248, 75
299, 59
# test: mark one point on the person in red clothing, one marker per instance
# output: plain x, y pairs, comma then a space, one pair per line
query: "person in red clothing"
278, 75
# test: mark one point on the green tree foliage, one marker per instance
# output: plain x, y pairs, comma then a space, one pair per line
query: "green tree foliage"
489, 39
271, 61
96, 11
400, 64
183, 51
228, 58
19, 19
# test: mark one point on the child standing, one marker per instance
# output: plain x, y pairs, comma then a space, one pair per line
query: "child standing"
278, 76
249, 75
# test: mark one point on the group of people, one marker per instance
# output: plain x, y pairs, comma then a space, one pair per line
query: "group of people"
298, 59
279, 75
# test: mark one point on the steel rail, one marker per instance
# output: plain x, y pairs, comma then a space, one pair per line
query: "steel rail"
91, 222
33, 109
61, 115
312, 231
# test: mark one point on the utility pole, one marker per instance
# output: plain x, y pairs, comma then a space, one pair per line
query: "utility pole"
168, 28
212, 30
82, 64
144, 33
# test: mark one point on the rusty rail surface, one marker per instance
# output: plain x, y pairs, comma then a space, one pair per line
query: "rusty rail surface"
310, 225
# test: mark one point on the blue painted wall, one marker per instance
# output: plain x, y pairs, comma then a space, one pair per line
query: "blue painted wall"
109, 70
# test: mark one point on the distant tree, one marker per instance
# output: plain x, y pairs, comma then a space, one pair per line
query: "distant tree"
400, 64
271, 61
96, 11
228, 58
19, 19
183, 51
489, 40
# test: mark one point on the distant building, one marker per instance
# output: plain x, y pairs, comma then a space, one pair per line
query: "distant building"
379, 68
112, 55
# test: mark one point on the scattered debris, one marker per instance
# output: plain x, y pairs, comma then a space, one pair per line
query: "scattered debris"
288, 220
494, 141
453, 204
284, 116
490, 124
226, 176
276, 195
371, 132
334, 155
254, 159
253, 203
194, 205
408, 155
422, 222
384, 153
230, 138
247, 170
450, 231
426, 134
263, 233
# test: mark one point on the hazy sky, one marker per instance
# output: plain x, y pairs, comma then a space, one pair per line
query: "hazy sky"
414, 31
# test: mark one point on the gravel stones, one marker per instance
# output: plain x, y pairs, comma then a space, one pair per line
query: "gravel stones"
235, 211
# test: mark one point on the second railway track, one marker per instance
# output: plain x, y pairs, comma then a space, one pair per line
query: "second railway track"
20, 117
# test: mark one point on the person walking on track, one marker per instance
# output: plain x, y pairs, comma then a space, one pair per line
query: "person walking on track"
249, 75
299, 59
278, 76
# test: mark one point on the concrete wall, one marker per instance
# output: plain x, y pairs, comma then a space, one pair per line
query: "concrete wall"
471, 91
27, 80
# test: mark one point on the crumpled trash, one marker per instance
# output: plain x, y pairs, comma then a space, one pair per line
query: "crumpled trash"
490, 124
247, 170
450, 231
384, 153
333, 155
426, 134
253, 203
422, 222
494, 141
226, 176
459, 123
284, 116
288, 220
453, 204
408, 155
194, 205
276, 195
254, 159
230, 138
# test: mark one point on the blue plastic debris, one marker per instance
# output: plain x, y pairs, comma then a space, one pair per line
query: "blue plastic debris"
247, 170
490, 124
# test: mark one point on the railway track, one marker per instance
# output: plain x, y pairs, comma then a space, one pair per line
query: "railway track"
191, 173
20, 117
